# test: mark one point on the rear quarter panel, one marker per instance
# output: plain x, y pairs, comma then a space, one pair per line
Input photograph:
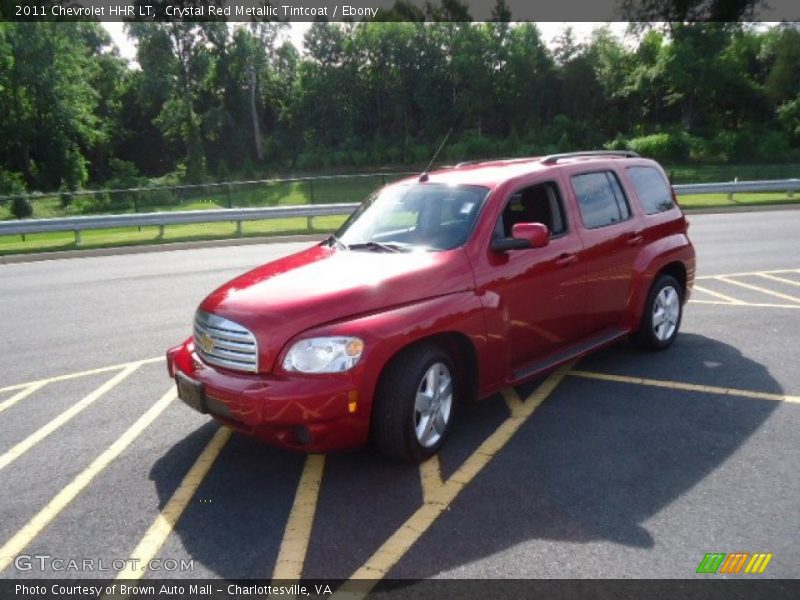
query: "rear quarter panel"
665, 241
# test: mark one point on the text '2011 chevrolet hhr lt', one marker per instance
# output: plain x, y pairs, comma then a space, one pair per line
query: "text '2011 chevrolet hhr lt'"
441, 289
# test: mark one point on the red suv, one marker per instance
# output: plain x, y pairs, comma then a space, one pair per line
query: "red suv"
441, 289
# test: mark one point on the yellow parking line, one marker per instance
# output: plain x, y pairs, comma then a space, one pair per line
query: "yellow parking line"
728, 299
759, 289
60, 501
513, 401
379, 564
748, 273
41, 433
159, 531
778, 279
430, 475
687, 387
18, 386
745, 304
21, 395
294, 546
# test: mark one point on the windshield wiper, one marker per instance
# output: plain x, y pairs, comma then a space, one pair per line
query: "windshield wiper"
378, 246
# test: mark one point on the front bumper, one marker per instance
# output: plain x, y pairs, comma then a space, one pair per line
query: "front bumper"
309, 413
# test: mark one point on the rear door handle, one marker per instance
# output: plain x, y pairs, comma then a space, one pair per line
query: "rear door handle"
635, 238
566, 259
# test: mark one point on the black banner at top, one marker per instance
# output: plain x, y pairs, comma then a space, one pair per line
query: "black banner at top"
399, 10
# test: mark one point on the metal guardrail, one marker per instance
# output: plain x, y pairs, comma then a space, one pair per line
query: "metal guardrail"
162, 219
738, 187
309, 211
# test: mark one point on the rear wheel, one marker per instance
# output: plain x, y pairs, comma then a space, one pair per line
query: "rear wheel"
414, 404
662, 314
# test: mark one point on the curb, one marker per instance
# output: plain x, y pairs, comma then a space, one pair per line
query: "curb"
146, 248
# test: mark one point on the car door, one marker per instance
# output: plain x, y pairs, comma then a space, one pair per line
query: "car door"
540, 292
612, 238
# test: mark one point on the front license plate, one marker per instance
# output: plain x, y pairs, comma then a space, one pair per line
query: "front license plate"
191, 392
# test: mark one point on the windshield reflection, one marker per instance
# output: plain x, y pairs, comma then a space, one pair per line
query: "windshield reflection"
401, 218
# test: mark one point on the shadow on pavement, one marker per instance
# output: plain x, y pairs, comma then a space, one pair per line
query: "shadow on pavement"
594, 462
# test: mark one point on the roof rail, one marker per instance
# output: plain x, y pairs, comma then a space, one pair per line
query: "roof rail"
554, 158
467, 163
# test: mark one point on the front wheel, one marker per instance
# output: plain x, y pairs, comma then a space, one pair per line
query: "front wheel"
414, 404
662, 314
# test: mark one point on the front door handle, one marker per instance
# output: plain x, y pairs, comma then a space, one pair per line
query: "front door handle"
566, 259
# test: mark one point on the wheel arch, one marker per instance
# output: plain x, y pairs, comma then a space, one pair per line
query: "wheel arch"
670, 256
458, 346
678, 270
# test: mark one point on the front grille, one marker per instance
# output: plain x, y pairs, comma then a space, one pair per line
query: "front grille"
224, 343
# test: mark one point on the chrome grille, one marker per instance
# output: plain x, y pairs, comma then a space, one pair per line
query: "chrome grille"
224, 343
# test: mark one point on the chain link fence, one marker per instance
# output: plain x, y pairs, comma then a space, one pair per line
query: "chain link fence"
332, 189
680, 174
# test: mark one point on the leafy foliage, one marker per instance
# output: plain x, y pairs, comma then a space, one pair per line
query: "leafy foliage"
210, 101
21, 207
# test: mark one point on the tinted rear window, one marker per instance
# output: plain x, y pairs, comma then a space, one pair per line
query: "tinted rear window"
652, 189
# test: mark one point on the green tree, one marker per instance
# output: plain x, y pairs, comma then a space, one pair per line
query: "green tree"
48, 102
527, 80
184, 71
783, 80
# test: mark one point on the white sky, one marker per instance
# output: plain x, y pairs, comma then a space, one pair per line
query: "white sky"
296, 31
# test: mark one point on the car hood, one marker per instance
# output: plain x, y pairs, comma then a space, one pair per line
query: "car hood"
322, 285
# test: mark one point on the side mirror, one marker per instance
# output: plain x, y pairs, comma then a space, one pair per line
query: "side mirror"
536, 234
523, 235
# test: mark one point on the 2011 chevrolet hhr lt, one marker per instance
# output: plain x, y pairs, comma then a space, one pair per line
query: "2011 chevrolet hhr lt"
441, 289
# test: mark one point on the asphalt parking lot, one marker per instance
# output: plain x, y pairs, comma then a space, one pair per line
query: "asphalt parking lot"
624, 465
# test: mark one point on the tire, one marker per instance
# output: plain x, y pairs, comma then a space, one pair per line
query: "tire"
662, 316
410, 420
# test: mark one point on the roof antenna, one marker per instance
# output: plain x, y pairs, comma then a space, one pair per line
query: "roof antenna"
424, 177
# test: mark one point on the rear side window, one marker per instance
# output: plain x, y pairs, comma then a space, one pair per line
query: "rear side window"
653, 191
600, 198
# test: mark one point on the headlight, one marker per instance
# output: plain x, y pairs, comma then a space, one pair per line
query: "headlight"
324, 355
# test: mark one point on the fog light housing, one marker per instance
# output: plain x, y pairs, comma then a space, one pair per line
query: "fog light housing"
302, 435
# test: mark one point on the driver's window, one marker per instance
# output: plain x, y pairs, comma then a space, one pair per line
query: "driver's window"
535, 204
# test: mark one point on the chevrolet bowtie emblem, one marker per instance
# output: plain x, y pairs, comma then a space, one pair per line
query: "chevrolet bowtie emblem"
205, 342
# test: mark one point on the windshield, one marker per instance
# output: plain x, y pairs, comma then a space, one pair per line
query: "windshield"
430, 216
